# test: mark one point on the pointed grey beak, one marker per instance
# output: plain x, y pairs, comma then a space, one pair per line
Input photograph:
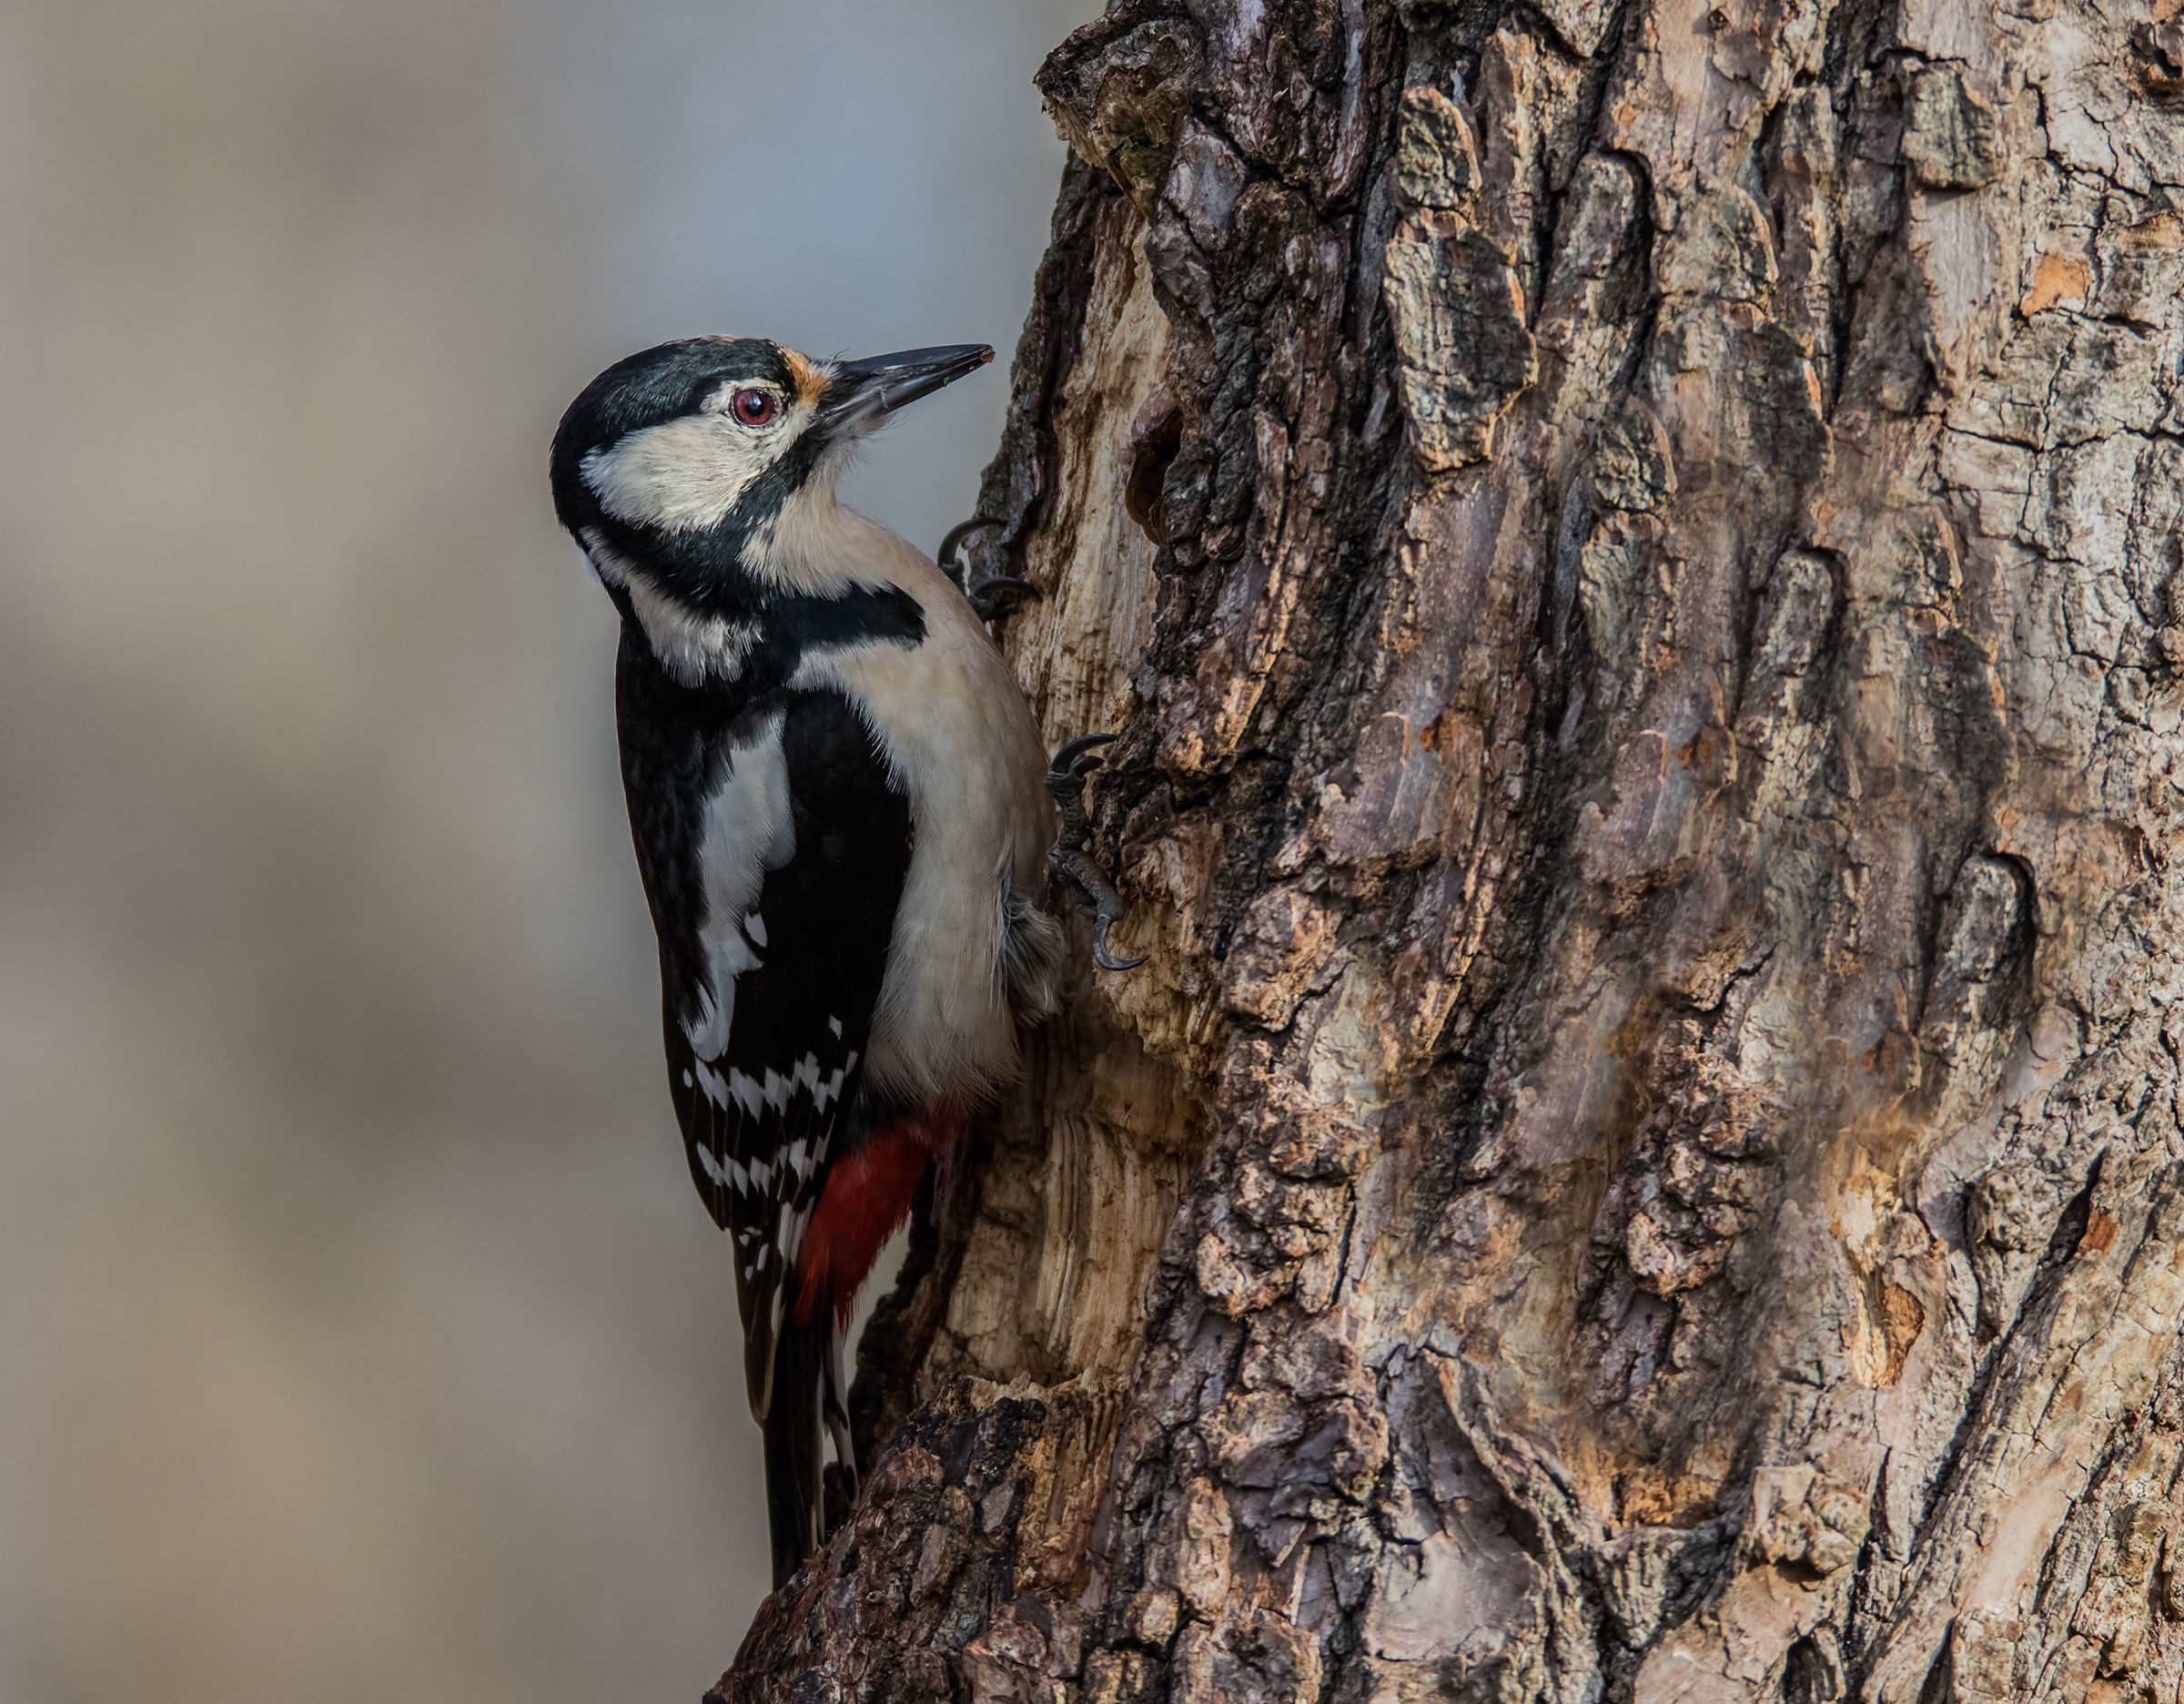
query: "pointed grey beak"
861, 393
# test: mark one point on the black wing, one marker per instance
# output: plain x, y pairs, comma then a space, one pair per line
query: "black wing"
784, 806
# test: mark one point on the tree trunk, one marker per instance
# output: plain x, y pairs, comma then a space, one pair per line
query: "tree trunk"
1633, 553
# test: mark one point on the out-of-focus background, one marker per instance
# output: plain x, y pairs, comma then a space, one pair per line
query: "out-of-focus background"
361, 1334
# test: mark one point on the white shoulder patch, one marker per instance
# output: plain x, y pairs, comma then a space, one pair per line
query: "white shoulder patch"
690, 646
749, 830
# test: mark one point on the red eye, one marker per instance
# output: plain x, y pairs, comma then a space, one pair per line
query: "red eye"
753, 408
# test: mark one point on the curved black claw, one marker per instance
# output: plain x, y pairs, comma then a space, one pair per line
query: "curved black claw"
1101, 956
996, 594
994, 597
1066, 760
945, 555
1069, 859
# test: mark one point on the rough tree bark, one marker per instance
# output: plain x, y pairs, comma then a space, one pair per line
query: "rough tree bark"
1633, 550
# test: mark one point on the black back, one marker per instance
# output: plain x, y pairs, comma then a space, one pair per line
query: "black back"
828, 913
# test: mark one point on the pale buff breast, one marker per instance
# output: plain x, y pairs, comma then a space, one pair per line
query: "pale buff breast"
962, 742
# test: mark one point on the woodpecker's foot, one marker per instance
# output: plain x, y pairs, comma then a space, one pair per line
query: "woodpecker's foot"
992, 597
996, 596
1070, 858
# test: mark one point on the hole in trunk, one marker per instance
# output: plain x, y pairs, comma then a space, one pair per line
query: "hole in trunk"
1154, 437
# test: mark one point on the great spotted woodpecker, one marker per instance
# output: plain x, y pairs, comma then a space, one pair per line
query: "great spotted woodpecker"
834, 791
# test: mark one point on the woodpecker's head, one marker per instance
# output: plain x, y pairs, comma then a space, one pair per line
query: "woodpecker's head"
698, 450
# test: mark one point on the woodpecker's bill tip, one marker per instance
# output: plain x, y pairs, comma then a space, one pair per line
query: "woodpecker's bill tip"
879, 384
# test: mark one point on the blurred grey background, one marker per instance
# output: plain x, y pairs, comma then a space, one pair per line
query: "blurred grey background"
361, 1334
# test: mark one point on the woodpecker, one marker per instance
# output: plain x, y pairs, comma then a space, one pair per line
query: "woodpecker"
835, 793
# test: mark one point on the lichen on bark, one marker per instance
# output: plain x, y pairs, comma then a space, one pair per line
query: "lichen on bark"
1632, 549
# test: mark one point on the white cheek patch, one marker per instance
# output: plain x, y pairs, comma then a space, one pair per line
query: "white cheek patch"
689, 473
681, 474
